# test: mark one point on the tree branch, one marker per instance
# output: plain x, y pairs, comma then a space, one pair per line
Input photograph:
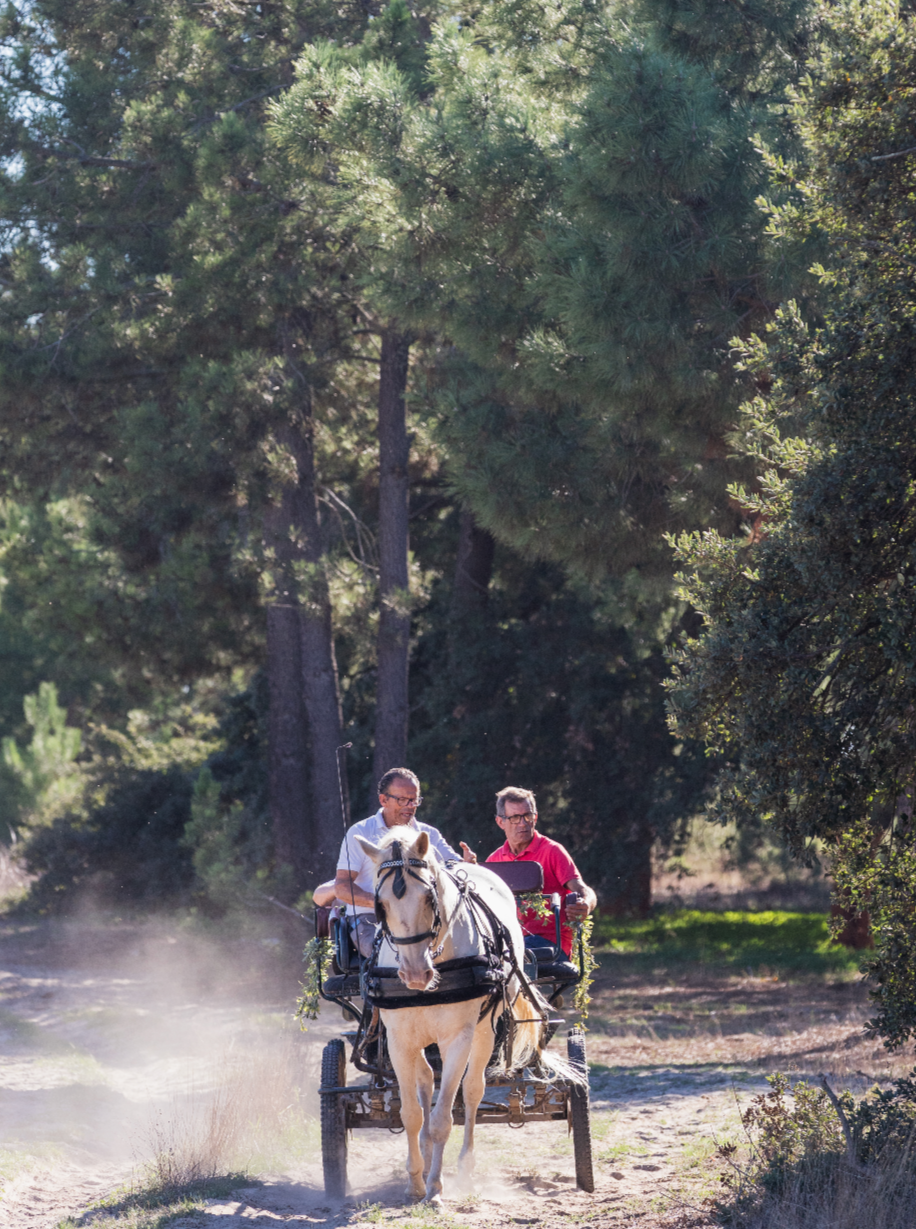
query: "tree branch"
900, 153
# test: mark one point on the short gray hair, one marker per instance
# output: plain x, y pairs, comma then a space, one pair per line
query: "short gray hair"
512, 794
393, 774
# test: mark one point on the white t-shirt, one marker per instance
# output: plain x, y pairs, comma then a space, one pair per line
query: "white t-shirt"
373, 829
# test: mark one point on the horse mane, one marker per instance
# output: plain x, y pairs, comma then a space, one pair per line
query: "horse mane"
404, 834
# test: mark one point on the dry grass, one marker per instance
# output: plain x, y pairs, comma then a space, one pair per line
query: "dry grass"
826, 1193
697, 1015
250, 1117
706, 875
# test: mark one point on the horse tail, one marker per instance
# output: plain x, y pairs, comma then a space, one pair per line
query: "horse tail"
530, 1011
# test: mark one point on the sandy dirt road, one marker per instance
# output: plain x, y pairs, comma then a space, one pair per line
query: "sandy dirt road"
117, 1040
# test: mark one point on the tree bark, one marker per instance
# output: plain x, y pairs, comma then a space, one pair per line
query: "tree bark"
473, 568
287, 777
320, 690
394, 616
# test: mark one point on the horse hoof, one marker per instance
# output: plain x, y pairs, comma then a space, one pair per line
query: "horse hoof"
433, 1201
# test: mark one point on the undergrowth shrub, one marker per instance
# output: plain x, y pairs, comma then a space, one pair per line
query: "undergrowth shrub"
129, 850
813, 1160
163, 826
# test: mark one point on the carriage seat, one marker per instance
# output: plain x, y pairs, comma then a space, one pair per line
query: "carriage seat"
518, 876
343, 980
545, 962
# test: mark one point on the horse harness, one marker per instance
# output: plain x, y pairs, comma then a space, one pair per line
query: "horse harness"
396, 866
460, 980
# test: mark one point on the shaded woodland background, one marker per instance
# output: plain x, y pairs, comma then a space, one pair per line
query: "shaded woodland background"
360, 365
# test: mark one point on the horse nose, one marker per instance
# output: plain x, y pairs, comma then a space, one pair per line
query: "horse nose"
416, 979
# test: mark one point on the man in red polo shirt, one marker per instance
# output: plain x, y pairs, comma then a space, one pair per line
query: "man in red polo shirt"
517, 815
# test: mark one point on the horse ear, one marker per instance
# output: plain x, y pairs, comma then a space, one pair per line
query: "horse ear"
370, 850
421, 849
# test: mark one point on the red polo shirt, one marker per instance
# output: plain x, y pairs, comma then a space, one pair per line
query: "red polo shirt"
559, 868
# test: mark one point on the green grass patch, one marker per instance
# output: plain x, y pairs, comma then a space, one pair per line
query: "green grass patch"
155, 1206
771, 940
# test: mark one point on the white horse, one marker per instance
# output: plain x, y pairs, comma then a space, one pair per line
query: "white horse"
427, 921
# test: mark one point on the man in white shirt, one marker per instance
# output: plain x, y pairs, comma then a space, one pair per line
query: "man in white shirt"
399, 797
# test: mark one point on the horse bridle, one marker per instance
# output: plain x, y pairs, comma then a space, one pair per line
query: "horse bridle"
397, 866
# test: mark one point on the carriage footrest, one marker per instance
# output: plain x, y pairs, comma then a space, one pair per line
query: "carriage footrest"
341, 985
561, 971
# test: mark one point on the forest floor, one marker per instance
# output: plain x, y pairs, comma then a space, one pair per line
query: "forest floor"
123, 1042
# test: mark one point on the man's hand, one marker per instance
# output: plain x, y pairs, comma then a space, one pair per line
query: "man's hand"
577, 912
468, 853
586, 902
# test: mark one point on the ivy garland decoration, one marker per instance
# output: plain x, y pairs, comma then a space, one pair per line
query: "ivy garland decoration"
536, 902
317, 959
582, 998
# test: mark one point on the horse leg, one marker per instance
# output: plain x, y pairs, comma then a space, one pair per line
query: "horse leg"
407, 1067
474, 1085
454, 1062
425, 1084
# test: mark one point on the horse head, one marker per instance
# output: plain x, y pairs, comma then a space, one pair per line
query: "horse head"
407, 902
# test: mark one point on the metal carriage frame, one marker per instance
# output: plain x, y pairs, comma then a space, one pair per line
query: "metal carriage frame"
514, 1099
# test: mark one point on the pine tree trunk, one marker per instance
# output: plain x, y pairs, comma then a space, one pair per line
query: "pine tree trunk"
318, 677
287, 777
473, 568
394, 616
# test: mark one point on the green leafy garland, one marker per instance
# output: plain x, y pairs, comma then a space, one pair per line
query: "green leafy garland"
317, 958
582, 998
536, 902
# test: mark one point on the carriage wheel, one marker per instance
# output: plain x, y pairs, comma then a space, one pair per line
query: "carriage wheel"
333, 1120
579, 1113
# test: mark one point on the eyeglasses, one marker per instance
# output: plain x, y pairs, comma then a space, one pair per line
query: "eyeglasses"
404, 802
527, 818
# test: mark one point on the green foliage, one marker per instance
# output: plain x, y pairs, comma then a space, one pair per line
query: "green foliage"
570, 200
771, 939
46, 773
802, 671
127, 851
175, 813
803, 674
878, 877
884, 1123
551, 687
803, 1146
317, 959
229, 832
583, 952
791, 1126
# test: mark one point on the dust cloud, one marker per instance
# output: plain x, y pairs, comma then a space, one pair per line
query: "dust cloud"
135, 1049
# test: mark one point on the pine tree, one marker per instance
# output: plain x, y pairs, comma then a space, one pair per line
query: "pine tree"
172, 314
570, 200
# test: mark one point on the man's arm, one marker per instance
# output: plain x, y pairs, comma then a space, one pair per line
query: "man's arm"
346, 890
325, 894
580, 911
